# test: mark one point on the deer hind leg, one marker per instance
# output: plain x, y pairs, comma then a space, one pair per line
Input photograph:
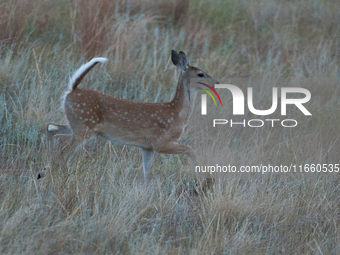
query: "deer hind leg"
53, 129
68, 152
147, 156
71, 149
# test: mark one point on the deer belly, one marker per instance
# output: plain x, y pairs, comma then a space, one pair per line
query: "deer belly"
126, 140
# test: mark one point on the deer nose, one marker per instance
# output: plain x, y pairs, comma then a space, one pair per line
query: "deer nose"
216, 82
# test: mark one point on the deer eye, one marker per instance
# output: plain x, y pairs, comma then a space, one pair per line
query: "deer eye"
201, 75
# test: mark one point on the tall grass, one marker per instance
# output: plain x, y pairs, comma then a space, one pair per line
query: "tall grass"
101, 204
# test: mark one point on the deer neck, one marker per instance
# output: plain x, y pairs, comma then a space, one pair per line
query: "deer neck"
184, 98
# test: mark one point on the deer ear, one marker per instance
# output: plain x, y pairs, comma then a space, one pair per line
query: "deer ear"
180, 60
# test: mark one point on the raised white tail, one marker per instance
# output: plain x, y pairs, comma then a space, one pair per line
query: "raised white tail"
154, 127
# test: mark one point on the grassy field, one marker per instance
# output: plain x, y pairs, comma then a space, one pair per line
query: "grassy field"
101, 205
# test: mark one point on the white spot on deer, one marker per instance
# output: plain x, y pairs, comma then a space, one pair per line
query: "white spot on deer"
169, 120
126, 113
78, 105
84, 104
80, 118
81, 111
181, 113
88, 112
52, 127
95, 129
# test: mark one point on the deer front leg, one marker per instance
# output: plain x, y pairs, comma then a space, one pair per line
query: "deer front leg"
175, 148
147, 156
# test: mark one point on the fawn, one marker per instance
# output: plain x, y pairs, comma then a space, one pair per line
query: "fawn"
154, 127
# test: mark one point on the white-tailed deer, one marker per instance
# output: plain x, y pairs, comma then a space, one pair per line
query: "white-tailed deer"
154, 127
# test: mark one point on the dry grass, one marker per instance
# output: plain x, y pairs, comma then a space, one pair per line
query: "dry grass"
101, 204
